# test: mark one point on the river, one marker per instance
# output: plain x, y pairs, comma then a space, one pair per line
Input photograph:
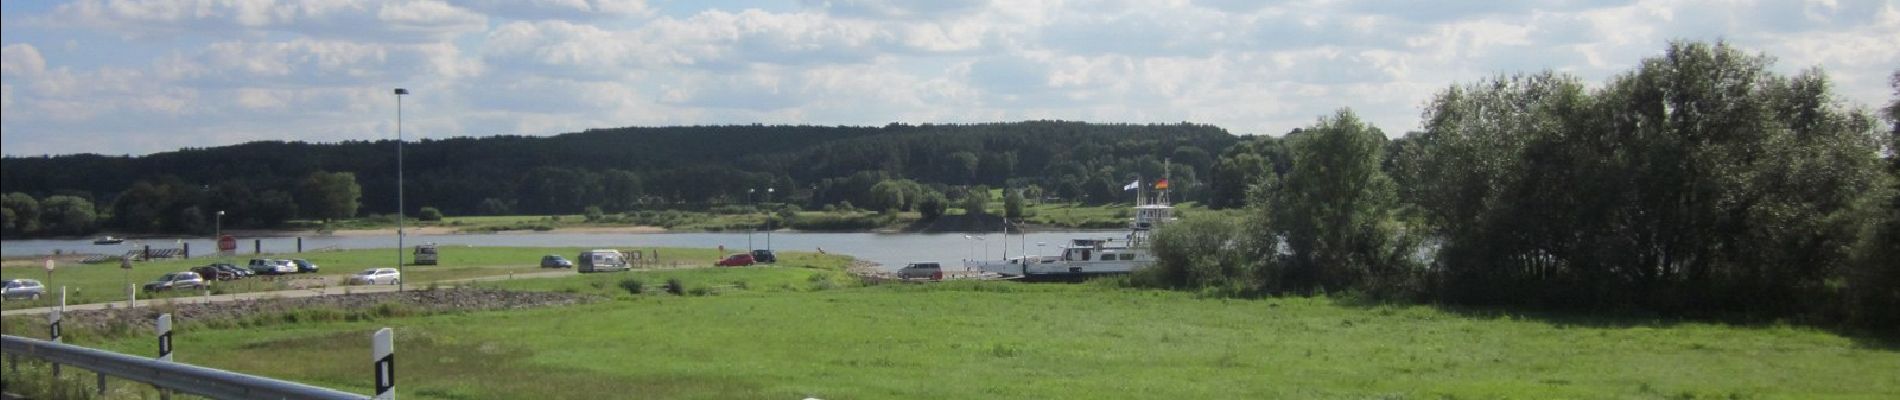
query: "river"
892, 250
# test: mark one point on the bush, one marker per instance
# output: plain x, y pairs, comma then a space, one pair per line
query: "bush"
429, 214
674, 286
633, 286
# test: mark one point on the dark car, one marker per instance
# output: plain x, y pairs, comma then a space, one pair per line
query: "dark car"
213, 272
736, 260
240, 272
555, 261
764, 256
304, 265
921, 270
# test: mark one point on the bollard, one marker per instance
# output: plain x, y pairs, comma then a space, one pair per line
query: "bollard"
257, 246
187, 250
383, 355
300, 244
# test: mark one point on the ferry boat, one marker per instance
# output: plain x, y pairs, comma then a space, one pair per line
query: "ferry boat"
1085, 258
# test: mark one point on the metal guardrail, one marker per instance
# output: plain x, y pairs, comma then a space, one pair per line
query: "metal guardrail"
182, 378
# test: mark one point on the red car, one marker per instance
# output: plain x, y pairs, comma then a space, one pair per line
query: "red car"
736, 260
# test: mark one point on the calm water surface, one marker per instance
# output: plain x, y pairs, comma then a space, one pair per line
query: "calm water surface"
892, 250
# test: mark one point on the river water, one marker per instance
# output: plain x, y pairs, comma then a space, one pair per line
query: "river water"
892, 250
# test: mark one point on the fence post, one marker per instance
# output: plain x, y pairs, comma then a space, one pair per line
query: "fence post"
383, 357
300, 244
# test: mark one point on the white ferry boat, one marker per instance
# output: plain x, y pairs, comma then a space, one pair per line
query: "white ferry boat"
1081, 259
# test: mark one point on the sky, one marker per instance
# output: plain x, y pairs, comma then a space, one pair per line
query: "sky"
138, 77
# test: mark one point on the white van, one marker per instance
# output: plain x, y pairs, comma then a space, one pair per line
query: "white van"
601, 260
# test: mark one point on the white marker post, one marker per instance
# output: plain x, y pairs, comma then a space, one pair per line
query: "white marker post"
165, 337
383, 356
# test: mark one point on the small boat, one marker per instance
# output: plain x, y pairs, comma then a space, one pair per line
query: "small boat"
108, 240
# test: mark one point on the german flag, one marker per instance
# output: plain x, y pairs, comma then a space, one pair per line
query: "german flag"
1161, 184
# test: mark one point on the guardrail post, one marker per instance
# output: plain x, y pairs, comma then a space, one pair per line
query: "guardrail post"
102, 383
165, 337
164, 351
52, 328
383, 357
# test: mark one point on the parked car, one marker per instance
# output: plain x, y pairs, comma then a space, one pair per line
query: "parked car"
176, 280
212, 271
264, 266
377, 276
764, 256
921, 270
426, 255
736, 260
241, 273
23, 289
602, 260
304, 266
555, 261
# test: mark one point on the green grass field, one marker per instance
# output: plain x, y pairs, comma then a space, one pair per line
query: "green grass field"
782, 335
106, 282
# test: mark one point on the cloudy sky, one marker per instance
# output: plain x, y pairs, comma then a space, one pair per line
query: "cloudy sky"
136, 77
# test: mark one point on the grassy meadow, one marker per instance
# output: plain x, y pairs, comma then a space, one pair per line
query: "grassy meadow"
106, 282
794, 331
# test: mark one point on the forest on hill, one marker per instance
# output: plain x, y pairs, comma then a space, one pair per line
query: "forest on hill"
264, 184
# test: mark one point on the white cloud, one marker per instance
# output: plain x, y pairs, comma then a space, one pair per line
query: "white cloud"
380, 20
116, 76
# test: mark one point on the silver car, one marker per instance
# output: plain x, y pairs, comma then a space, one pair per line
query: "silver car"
376, 276
176, 280
23, 289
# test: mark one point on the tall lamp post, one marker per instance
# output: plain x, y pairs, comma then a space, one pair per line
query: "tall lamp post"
769, 223
217, 230
399, 202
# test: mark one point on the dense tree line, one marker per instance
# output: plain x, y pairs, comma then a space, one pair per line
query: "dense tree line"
1699, 183
263, 184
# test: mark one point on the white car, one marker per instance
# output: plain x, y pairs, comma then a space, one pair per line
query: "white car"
377, 276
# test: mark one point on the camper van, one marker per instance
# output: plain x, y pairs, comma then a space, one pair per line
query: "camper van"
425, 254
601, 260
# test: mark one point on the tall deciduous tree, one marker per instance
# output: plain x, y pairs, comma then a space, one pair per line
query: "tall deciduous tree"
68, 215
22, 213
1013, 203
330, 195
1334, 207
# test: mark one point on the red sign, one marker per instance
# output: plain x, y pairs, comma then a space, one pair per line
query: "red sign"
227, 243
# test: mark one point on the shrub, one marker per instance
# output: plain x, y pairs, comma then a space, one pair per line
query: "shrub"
674, 286
429, 214
633, 286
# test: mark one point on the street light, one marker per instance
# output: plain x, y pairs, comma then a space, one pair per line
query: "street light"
217, 230
399, 202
